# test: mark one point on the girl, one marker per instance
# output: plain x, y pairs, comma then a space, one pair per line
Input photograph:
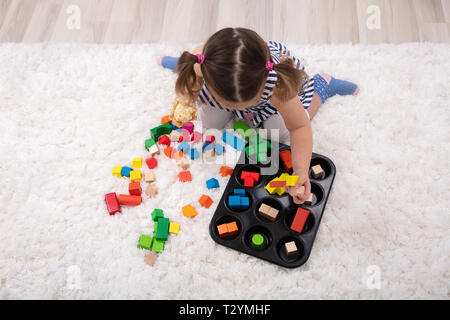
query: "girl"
237, 73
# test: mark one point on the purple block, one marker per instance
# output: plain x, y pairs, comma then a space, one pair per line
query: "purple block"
189, 126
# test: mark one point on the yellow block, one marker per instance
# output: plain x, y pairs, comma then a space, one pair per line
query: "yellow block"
137, 163
283, 177
117, 172
280, 191
291, 181
135, 175
270, 189
174, 227
189, 212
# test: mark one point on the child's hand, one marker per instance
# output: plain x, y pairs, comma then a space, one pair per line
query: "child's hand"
300, 192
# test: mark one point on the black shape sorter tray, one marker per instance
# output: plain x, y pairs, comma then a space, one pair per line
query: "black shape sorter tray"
276, 233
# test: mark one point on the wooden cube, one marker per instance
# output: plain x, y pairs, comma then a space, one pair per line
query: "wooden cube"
209, 155
175, 136
183, 163
151, 191
153, 150
268, 212
290, 248
149, 177
232, 228
317, 171
150, 258
222, 229
308, 201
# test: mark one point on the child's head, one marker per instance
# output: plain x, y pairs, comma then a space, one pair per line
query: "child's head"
235, 69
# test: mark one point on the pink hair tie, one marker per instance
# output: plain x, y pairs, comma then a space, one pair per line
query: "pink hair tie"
269, 65
200, 58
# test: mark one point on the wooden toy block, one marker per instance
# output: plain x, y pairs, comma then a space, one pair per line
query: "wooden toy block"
163, 229
194, 154
185, 136
234, 202
148, 143
126, 171
149, 177
165, 140
308, 201
196, 137
174, 227
285, 156
317, 171
280, 191
291, 180
175, 136
299, 220
233, 141
239, 125
189, 211
209, 155
185, 176
177, 155
150, 258
290, 248
154, 150
239, 192
137, 163
158, 245
151, 163
244, 203
249, 182
166, 119
257, 241
277, 184
183, 163
219, 149
112, 203
145, 242
168, 152
270, 189
222, 229
129, 200
205, 201
212, 183
134, 188
232, 228
151, 191
226, 171
117, 172
210, 139
184, 146
268, 212
188, 126
250, 178
207, 146
160, 130
135, 175
157, 213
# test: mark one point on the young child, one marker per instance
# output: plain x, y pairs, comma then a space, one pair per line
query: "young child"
237, 73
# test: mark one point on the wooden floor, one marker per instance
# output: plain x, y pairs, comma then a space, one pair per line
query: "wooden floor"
299, 21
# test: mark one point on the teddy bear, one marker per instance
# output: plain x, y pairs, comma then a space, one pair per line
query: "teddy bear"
182, 112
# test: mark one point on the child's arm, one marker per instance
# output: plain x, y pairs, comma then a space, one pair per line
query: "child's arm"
301, 143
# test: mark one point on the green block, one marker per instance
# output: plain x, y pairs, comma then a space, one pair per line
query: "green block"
158, 246
243, 129
240, 125
148, 143
257, 241
155, 227
145, 242
161, 130
250, 149
156, 214
162, 229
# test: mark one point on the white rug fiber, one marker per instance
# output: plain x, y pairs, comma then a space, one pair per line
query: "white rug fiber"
70, 112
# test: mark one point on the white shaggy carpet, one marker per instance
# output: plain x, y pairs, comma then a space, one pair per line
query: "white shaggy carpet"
71, 112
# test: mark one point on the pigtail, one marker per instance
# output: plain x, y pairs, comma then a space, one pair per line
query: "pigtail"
290, 80
186, 81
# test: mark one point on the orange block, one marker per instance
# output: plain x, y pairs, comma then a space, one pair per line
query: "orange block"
226, 171
285, 156
223, 230
188, 211
134, 188
205, 201
168, 152
178, 155
232, 228
185, 176
165, 119
129, 200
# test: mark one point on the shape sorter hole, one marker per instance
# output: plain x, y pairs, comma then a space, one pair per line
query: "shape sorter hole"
326, 167
282, 253
309, 223
224, 220
236, 209
271, 202
258, 230
249, 168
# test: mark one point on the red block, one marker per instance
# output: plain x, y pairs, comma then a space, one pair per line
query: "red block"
196, 137
205, 201
134, 188
210, 139
299, 220
129, 200
164, 140
112, 203
250, 178
185, 176
249, 182
151, 162
286, 158
277, 184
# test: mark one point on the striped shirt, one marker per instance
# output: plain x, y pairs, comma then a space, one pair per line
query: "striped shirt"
263, 109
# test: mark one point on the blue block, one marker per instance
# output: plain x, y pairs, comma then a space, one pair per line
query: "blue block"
234, 202
194, 154
212, 183
184, 146
174, 127
219, 149
239, 144
126, 171
233, 141
207, 146
244, 203
239, 192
